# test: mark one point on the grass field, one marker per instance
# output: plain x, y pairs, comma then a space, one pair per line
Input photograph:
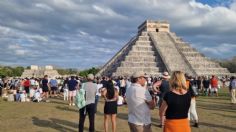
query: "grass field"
216, 114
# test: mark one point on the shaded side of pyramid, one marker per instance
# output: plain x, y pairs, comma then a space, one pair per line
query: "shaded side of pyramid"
154, 50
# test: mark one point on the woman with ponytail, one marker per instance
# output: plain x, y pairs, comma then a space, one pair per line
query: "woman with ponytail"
176, 105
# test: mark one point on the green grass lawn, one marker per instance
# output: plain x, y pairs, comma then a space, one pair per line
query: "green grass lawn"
216, 114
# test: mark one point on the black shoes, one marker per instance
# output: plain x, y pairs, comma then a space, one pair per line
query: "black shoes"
196, 125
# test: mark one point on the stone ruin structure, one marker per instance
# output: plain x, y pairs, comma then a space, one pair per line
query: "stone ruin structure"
154, 50
36, 71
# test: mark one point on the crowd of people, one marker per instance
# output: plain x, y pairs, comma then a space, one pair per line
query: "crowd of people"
175, 96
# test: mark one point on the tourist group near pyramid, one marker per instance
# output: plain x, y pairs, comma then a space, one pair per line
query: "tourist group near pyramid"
156, 49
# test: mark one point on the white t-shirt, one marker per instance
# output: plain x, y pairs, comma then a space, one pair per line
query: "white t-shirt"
139, 112
98, 87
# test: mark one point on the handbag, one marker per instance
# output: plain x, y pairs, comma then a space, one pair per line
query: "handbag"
80, 99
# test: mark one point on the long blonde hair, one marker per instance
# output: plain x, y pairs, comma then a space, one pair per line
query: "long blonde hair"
178, 81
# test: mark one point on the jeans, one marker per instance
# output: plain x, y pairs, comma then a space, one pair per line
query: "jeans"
96, 102
90, 109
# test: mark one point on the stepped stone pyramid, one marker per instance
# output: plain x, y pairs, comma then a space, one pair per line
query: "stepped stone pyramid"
154, 50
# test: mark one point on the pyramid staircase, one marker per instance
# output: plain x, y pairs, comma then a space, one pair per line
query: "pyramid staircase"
154, 50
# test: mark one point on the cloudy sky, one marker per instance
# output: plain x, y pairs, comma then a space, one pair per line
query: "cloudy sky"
86, 33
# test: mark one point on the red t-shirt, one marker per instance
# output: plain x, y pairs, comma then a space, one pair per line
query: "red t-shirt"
27, 83
214, 83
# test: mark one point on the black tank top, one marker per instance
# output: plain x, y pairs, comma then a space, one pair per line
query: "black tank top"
178, 105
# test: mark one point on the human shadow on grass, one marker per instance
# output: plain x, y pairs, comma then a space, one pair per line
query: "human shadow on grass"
57, 101
218, 126
67, 108
218, 107
57, 124
223, 115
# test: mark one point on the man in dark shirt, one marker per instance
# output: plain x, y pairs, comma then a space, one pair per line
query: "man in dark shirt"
164, 88
72, 85
45, 87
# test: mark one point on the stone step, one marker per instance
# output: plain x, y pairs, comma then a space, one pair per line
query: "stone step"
140, 59
138, 64
192, 54
145, 43
209, 65
211, 70
143, 38
188, 49
144, 34
134, 69
142, 48
147, 53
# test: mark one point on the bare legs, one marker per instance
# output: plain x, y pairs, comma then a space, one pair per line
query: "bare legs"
113, 121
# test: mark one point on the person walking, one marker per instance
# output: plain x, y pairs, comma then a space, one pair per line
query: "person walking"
90, 92
175, 105
233, 89
139, 103
110, 94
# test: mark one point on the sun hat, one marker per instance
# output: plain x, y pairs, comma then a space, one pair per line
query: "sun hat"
139, 74
165, 75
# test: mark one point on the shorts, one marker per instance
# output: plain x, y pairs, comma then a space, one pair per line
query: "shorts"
72, 93
214, 89
45, 89
54, 88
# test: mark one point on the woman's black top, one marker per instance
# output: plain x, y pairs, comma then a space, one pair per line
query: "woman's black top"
178, 105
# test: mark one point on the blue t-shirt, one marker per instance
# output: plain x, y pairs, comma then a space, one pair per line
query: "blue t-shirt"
72, 85
53, 83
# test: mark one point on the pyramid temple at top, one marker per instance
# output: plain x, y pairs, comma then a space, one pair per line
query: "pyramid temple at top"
154, 50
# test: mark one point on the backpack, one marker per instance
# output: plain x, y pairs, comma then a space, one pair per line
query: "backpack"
80, 101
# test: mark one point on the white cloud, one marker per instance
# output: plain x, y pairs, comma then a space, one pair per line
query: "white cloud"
91, 31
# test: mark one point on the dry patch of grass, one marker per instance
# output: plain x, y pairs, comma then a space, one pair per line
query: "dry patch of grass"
216, 114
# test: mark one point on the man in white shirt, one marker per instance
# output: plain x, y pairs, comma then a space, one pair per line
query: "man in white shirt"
139, 103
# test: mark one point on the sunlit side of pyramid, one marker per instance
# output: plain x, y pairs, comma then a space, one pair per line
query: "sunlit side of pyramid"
154, 50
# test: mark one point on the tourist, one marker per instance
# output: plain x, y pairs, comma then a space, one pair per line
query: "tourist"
110, 95
194, 91
90, 89
72, 86
54, 86
175, 105
163, 88
98, 93
233, 89
139, 103
206, 85
1, 86
214, 85
45, 87
122, 85
27, 85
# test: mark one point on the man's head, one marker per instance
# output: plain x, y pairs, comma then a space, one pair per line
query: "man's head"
139, 77
90, 77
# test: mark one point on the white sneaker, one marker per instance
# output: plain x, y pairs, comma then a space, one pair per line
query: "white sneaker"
69, 104
73, 104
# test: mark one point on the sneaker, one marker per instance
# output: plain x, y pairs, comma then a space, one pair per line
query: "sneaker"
69, 104
73, 104
196, 125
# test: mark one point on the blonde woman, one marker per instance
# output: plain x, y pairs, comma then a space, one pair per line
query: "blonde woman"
176, 105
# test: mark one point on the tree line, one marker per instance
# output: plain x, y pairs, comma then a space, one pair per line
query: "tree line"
229, 64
